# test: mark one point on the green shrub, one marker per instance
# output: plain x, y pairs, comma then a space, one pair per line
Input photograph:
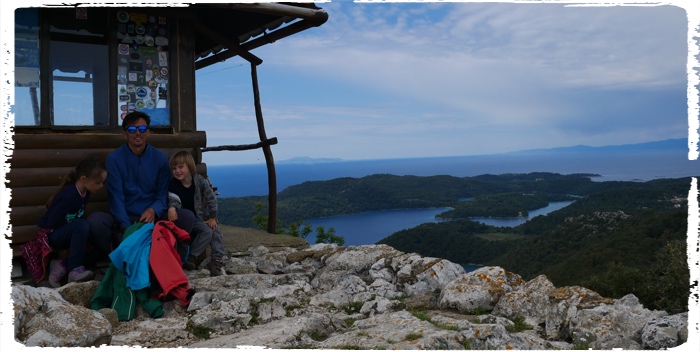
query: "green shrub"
413, 336
519, 325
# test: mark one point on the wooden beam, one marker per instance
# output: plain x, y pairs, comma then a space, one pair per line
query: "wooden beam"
230, 44
271, 141
269, 160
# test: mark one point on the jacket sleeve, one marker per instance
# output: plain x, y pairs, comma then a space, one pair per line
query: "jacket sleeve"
174, 201
209, 197
160, 204
115, 188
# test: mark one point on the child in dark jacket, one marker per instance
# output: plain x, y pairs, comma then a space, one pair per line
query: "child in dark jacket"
64, 222
192, 191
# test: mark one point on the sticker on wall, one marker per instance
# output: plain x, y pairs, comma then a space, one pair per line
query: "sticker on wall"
148, 63
122, 89
124, 49
163, 58
149, 40
121, 79
124, 97
131, 89
146, 51
124, 107
151, 19
152, 84
123, 16
161, 41
150, 104
121, 70
139, 18
164, 71
127, 39
136, 66
140, 29
140, 104
149, 76
139, 39
161, 20
122, 116
141, 92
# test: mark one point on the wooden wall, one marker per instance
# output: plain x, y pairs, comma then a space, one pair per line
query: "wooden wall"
40, 161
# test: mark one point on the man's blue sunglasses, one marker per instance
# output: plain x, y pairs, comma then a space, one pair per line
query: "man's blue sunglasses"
132, 129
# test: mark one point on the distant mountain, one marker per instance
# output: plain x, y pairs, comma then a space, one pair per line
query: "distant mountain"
308, 160
680, 144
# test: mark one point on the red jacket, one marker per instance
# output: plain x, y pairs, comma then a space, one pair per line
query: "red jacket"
166, 262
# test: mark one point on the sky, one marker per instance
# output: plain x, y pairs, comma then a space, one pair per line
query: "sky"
385, 80
398, 80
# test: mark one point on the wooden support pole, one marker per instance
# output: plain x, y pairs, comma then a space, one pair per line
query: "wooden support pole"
271, 141
271, 176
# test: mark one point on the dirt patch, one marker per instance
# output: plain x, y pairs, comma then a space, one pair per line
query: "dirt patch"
240, 239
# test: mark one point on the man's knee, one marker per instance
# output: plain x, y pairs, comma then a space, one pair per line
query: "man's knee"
185, 219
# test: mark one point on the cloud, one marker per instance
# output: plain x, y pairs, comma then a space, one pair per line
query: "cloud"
443, 78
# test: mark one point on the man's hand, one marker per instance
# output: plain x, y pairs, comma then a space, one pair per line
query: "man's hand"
211, 223
149, 215
172, 214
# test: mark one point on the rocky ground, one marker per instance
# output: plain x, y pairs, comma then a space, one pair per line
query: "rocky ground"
282, 293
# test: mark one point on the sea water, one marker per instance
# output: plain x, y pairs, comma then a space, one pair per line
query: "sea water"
247, 180
368, 228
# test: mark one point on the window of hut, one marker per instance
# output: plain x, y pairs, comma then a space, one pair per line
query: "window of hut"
79, 67
27, 88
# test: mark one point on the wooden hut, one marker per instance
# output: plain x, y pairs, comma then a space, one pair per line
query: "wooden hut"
79, 70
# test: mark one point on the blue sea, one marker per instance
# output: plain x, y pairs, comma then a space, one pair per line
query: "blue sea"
247, 180
371, 227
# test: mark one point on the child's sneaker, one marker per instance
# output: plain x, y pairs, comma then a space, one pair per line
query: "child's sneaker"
58, 271
215, 267
80, 274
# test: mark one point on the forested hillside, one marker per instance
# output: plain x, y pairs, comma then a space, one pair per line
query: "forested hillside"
348, 195
616, 238
588, 243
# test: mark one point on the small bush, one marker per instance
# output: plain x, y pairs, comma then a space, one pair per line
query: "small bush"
413, 336
519, 325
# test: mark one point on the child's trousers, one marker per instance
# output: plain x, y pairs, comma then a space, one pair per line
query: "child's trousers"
205, 236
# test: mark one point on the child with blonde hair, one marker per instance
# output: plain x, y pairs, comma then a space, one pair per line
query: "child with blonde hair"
64, 222
189, 190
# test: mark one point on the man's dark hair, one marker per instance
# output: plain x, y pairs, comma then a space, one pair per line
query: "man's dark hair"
134, 116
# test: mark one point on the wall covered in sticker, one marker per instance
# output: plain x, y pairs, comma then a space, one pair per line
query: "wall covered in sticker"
142, 66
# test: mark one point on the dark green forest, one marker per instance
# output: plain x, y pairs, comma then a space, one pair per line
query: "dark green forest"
615, 238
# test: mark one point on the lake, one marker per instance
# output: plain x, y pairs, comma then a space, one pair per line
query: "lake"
371, 227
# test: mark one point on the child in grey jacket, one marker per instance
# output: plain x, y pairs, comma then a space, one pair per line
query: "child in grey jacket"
192, 191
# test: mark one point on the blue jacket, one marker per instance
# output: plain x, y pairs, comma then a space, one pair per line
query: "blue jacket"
136, 183
132, 255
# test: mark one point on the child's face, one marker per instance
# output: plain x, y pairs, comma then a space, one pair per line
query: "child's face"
181, 172
94, 184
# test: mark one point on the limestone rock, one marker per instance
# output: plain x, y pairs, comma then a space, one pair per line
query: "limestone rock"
43, 318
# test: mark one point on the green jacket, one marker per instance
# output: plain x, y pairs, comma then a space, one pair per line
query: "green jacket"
113, 293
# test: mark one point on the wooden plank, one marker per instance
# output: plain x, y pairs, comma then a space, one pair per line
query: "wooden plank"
29, 196
30, 215
22, 234
33, 177
54, 157
67, 158
183, 140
